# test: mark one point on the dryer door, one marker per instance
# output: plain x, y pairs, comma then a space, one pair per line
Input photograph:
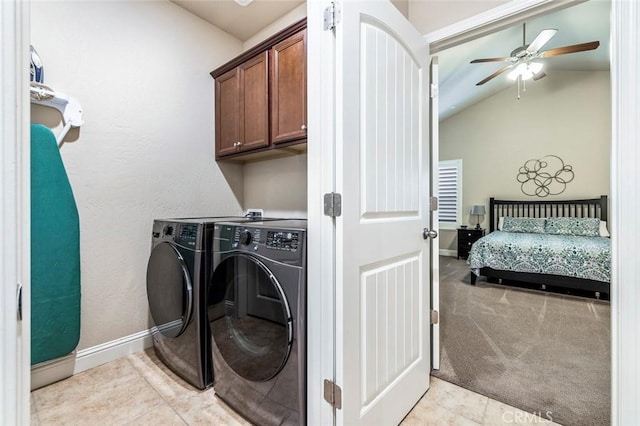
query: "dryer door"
169, 290
250, 318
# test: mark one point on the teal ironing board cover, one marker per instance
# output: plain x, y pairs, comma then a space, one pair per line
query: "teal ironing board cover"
55, 252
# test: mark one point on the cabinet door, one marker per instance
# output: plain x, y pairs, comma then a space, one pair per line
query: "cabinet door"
289, 89
254, 105
227, 113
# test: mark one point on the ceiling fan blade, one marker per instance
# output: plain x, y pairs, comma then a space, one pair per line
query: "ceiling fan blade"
570, 49
495, 74
541, 40
477, 61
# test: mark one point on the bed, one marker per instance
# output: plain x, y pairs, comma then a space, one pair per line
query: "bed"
546, 244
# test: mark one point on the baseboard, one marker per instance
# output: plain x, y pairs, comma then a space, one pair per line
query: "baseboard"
110, 351
76, 362
450, 253
51, 371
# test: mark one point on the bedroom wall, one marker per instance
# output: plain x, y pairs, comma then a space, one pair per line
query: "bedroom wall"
565, 114
141, 72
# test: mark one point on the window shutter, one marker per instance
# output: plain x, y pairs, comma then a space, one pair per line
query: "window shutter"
449, 192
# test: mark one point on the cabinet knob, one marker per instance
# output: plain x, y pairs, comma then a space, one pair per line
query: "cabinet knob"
237, 144
303, 127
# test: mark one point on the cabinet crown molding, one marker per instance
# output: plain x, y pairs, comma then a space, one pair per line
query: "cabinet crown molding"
261, 47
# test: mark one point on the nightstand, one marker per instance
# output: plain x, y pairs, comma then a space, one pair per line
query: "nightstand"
466, 238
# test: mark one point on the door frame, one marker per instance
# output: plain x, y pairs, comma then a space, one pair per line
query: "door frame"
625, 184
321, 233
15, 266
14, 399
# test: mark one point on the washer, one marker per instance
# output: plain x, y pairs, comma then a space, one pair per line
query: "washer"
178, 271
257, 317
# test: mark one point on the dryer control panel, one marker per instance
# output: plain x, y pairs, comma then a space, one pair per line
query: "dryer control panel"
273, 240
282, 240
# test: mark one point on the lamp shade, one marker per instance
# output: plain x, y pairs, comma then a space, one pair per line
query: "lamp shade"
477, 210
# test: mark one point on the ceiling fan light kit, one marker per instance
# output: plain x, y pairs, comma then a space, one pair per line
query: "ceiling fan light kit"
526, 71
522, 58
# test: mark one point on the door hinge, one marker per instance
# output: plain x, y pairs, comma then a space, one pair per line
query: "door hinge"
331, 16
435, 317
333, 394
433, 92
332, 204
19, 301
433, 204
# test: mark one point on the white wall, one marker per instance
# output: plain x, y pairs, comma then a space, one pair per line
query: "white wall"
295, 15
567, 114
141, 72
278, 186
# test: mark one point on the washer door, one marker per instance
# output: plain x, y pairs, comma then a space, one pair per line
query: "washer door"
250, 318
169, 290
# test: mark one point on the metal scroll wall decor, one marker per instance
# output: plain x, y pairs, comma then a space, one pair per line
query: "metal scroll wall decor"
546, 176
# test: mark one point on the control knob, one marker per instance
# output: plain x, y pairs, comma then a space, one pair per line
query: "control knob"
245, 237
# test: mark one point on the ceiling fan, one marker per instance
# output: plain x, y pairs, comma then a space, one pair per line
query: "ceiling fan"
523, 58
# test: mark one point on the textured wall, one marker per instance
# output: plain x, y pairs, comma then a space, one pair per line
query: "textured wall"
278, 186
141, 72
568, 114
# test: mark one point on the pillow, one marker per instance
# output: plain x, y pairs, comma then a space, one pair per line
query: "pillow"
582, 226
534, 225
500, 223
603, 229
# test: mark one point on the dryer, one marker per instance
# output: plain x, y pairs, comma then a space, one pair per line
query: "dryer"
257, 316
178, 270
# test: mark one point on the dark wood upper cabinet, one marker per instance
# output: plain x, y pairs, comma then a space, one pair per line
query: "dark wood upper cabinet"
242, 114
289, 89
254, 103
227, 117
261, 98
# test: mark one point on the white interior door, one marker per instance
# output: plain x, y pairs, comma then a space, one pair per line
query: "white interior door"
435, 243
382, 171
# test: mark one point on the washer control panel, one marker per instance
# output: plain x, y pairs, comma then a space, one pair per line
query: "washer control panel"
183, 234
187, 234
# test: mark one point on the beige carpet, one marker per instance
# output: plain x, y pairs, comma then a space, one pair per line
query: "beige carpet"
544, 353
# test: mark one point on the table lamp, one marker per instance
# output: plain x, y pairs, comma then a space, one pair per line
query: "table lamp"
478, 211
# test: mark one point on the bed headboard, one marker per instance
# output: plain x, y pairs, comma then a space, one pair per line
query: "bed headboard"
596, 207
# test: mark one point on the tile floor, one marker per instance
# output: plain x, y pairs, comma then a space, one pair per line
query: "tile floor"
140, 390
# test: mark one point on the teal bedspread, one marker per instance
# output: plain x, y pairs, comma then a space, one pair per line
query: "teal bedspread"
55, 252
567, 255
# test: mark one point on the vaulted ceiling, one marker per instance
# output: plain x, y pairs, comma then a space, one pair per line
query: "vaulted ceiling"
582, 23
